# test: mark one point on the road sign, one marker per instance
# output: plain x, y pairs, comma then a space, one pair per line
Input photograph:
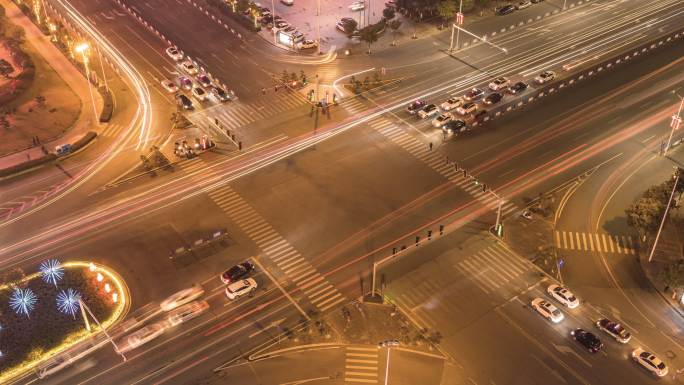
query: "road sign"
676, 121
459, 18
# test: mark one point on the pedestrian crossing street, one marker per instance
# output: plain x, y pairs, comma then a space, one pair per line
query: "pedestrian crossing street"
361, 364
487, 270
111, 130
316, 287
604, 243
438, 163
236, 114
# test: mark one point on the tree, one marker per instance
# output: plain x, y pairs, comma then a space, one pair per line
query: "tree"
388, 13
644, 215
673, 274
468, 5
446, 10
394, 26
350, 27
369, 34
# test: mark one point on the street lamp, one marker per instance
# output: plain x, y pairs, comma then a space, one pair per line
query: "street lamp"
82, 48
667, 208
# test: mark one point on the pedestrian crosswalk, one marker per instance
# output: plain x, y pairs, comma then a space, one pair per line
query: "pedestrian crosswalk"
361, 364
600, 242
305, 276
238, 114
192, 165
438, 163
110, 130
353, 105
492, 268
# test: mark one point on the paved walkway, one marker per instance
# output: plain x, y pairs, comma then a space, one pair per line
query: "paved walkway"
68, 72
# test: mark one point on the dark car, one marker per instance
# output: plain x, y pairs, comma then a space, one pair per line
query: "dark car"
493, 98
517, 88
473, 94
184, 102
505, 10
587, 339
416, 106
454, 126
480, 115
614, 329
220, 94
537, 1
236, 272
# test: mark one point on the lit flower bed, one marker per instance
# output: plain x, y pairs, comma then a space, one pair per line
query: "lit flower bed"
40, 314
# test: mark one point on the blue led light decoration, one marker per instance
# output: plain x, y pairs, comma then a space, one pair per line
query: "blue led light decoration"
51, 271
68, 301
23, 301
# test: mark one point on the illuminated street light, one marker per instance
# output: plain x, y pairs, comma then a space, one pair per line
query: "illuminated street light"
92, 266
99, 277
82, 48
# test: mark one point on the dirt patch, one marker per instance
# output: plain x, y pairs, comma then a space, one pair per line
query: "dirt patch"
46, 108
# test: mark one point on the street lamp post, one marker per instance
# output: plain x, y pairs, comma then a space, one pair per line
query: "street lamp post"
667, 208
116, 348
82, 48
676, 120
273, 15
482, 39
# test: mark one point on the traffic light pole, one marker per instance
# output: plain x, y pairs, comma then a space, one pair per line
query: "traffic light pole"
675, 124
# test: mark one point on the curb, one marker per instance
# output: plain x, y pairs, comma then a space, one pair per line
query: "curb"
296, 349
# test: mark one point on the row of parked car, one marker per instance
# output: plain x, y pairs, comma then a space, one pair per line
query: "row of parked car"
268, 20
589, 340
506, 9
198, 83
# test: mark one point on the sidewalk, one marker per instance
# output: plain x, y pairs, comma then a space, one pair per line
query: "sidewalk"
70, 74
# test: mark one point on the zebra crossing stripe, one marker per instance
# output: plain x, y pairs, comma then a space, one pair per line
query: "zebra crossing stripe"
591, 242
617, 244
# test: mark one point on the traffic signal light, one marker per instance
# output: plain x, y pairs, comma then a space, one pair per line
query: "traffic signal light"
484, 187
465, 173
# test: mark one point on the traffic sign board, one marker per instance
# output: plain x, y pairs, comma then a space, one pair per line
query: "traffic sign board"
676, 121
459, 18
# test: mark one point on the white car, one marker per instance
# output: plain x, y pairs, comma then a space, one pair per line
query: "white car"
287, 2
545, 77
181, 298
649, 361
140, 337
174, 53
428, 111
308, 44
451, 103
187, 312
563, 295
467, 108
199, 93
240, 288
523, 4
499, 84
169, 86
189, 67
442, 120
547, 310
357, 5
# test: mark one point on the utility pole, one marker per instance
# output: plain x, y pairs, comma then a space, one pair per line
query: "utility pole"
667, 208
676, 121
273, 15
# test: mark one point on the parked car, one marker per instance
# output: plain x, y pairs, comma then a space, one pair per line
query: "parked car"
182, 297
547, 310
240, 288
139, 338
287, 2
357, 5
523, 4
545, 77
451, 103
236, 272
187, 312
169, 86
174, 53
473, 94
388, 344
614, 329
493, 98
563, 295
499, 84
587, 339
505, 10
306, 44
650, 362
428, 111
536, 1
416, 106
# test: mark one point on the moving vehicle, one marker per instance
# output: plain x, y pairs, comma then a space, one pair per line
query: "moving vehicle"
493, 98
547, 310
199, 93
204, 80
308, 44
240, 288
442, 119
416, 106
428, 111
388, 344
473, 94
169, 86
182, 297
454, 126
287, 2
220, 94
587, 339
499, 84
451, 103
139, 338
184, 102
467, 108
563, 295
357, 5
187, 312
174, 53
614, 329
505, 10
545, 77
189, 67
185, 83
236, 272
517, 88
523, 4
650, 362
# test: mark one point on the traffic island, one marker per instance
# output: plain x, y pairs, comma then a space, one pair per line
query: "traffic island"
59, 306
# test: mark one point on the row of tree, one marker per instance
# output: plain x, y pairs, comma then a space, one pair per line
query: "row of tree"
647, 212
